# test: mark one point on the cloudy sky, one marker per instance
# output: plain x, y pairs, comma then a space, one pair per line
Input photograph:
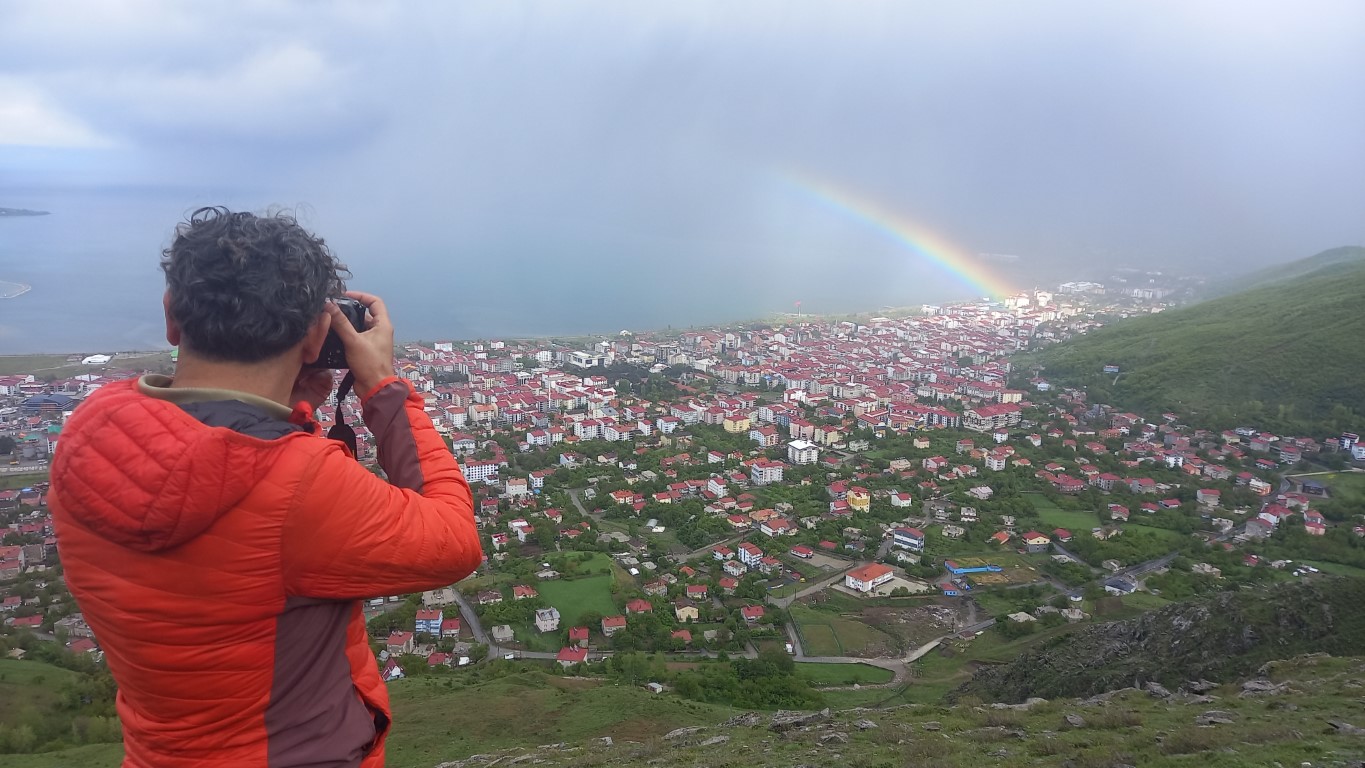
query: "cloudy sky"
664, 145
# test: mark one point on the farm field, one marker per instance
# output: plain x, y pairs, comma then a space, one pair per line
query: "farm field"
1053, 516
843, 674
1345, 486
825, 633
576, 597
1015, 569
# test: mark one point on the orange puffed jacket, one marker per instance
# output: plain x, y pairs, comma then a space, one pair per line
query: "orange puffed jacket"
220, 549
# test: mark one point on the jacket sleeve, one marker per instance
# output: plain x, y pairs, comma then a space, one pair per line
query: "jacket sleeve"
351, 535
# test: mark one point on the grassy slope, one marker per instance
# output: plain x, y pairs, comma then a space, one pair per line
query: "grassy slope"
26, 685
1283, 355
441, 718
1132, 729
433, 723
1281, 272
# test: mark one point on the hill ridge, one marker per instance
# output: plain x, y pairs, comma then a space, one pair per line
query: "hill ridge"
1284, 356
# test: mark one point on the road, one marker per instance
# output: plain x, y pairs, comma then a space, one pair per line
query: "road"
784, 602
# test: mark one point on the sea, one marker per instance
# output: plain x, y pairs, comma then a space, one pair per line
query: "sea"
96, 284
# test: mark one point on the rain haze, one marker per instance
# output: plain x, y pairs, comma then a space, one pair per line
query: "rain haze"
509, 168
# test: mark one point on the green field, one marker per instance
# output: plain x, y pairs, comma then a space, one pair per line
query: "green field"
824, 633
57, 366
1055, 517
1344, 486
577, 597
1336, 569
843, 674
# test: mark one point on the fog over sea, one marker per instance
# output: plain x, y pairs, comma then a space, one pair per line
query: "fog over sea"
96, 284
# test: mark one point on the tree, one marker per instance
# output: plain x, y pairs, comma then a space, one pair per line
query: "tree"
7, 444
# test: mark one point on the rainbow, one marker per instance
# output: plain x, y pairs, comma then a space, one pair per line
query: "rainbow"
918, 239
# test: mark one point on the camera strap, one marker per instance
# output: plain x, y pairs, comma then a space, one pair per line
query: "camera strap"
341, 431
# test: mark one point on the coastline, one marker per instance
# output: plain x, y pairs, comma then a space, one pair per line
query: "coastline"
9, 290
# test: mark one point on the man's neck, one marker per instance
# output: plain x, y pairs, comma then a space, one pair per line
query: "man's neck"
271, 379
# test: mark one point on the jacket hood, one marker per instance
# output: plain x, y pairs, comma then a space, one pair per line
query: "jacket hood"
150, 474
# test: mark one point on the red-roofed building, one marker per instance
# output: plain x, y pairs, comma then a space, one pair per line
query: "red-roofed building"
450, 628
1036, 542
570, 655
578, 636
751, 613
868, 577
613, 624
639, 606
400, 642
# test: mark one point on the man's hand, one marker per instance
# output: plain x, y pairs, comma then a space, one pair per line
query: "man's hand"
313, 386
369, 353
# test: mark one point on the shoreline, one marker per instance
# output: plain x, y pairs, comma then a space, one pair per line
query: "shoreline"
10, 290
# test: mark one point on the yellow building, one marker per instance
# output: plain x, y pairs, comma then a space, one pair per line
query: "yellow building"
859, 500
739, 423
828, 435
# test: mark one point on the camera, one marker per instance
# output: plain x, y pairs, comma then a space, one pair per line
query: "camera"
333, 354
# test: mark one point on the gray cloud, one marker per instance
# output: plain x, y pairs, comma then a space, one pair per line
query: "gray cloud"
645, 145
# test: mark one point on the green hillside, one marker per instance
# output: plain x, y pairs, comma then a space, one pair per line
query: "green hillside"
1285, 355
1281, 272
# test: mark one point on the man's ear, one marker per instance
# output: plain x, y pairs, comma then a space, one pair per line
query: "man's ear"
313, 340
172, 327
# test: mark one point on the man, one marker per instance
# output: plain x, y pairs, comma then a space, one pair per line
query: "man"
219, 546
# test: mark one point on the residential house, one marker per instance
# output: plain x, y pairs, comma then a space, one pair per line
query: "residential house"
547, 619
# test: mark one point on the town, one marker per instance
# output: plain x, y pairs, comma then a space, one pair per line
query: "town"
866, 496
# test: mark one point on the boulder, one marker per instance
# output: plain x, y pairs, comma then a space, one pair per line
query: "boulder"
682, 733
836, 737
1075, 721
1262, 688
1103, 698
714, 740
1157, 689
932, 725
1200, 686
1214, 717
785, 720
864, 725
1028, 704
746, 720
1346, 728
